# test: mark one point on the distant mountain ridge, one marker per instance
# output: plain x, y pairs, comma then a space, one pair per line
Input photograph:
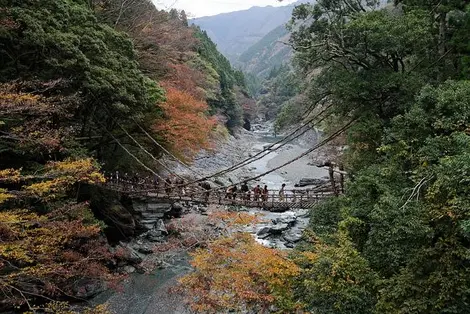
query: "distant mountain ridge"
235, 32
271, 51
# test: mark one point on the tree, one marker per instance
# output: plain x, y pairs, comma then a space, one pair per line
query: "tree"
49, 243
186, 126
223, 100
336, 278
236, 273
404, 216
63, 41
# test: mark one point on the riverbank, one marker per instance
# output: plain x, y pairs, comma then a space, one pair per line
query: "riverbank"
150, 293
302, 168
243, 144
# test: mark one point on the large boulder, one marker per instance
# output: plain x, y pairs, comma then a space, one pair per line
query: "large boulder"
279, 228
108, 206
292, 236
119, 217
160, 226
154, 236
147, 213
176, 211
289, 220
276, 229
263, 231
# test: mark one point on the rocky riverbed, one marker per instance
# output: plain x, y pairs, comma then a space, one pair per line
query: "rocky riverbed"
152, 273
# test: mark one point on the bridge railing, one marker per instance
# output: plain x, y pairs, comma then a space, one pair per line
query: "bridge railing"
146, 187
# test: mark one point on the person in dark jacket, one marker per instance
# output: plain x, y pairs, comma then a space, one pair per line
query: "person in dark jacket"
245, 189
207, 187
256, 193
264, 194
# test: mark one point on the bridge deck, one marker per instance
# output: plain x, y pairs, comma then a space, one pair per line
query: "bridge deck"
273, 201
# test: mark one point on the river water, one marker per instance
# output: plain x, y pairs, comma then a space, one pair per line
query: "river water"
297, 219
149, 293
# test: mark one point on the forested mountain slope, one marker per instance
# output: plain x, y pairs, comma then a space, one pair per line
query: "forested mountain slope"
235, 32
86, 86
273, 50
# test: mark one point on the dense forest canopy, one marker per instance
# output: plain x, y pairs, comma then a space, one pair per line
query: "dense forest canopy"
84, 85
398, 240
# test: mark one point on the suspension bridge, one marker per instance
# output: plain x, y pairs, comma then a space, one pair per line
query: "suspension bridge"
273, 200
197, 190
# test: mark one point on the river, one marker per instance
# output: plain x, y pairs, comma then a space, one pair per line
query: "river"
149, 294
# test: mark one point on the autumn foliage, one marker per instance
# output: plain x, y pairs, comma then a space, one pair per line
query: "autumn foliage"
48, 242
236, 273
32, 119
186, 125
234, 219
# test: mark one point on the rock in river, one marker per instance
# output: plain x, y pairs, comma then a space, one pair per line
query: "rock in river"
292, 237
279, 228
263, 232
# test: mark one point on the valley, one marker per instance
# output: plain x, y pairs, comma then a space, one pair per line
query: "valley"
305, 158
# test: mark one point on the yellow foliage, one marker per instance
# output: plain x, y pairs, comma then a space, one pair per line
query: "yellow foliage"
10, 175
235, 218
4, 195
237, 273
58, 177
48, 245
82, 170
64, 308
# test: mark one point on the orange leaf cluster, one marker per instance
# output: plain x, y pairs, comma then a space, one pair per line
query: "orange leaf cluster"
237, 273
186, 127
187, 79
234, 218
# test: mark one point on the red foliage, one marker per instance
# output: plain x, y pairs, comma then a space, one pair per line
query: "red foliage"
187, 79
187, 126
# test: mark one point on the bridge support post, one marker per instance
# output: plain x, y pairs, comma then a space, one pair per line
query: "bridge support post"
341, 178
332, 179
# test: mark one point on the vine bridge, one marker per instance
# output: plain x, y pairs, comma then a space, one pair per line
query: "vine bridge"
200, 191
273, 200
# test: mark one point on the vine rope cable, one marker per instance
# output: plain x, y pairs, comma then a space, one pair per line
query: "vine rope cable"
268, 150
317, 146
148, 153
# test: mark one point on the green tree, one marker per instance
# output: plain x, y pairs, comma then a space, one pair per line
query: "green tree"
64, 41
405, 211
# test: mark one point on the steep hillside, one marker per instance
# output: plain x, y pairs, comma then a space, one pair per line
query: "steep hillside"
235, 32
86, 87
271, 51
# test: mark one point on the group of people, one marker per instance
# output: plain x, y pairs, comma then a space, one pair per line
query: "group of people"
259, 194
178, 182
